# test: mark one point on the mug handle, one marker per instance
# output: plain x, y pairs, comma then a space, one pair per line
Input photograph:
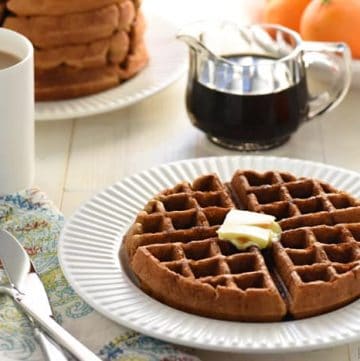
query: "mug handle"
333, 56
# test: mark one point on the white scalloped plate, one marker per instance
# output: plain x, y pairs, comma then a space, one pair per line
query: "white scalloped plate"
88, 252
168, 59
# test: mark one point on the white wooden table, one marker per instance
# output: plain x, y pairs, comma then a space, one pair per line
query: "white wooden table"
77, 158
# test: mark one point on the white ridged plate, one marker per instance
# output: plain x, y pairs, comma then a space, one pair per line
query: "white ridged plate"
168, 58
88, 252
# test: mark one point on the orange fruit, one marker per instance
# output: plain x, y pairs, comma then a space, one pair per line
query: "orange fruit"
333, 20
285, 12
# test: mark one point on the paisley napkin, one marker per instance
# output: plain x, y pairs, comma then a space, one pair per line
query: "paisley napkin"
37, 224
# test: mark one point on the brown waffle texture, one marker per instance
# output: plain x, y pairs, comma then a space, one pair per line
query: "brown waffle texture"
174, 251
81, 47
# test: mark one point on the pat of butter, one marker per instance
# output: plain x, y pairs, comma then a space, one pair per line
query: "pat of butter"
245, 229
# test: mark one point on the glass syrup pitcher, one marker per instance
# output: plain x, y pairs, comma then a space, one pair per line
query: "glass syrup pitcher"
250, 87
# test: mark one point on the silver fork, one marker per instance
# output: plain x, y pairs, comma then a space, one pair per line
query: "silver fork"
48, 348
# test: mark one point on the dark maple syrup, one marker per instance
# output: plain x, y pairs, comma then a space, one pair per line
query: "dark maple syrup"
256, 116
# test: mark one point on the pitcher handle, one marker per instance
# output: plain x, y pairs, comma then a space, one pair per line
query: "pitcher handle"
337, 56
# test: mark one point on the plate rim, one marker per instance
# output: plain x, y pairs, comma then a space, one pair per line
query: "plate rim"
305, 346
139, 95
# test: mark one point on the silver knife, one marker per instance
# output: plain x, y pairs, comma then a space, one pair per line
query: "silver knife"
49, 350
27, 291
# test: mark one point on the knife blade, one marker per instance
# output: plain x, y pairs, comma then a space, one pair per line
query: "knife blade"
29, 293
18, 266
21, 273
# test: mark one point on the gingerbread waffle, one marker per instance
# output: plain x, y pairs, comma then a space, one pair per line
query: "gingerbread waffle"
76, 28
56, 7
63, 82
113, 50
173, 249
95, 54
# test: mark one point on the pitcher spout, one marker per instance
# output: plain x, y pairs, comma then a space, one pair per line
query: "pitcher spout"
191, 41
192, 35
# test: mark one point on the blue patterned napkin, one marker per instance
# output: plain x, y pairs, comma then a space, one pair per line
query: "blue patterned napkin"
36, 223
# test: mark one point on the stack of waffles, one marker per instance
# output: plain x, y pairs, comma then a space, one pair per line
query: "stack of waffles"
81, 46
174, 251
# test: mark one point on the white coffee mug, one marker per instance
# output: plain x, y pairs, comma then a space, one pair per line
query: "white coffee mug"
17, 158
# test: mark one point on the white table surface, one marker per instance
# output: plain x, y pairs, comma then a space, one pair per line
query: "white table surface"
77, 158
